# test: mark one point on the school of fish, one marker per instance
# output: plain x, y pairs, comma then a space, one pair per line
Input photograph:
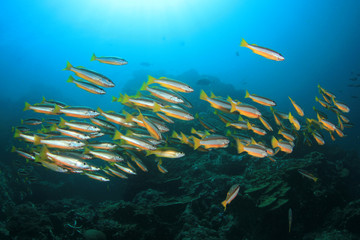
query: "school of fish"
144, 127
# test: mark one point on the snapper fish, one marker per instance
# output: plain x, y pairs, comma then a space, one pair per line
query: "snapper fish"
255, 129
244, 109
327, 93
105, 155
89, 87
261, 100
252, 149
163, 94
170, 84
232, 193
211, 141
53, 102
216, 103
23, 154
41, 108
297, 108
69, 133
80, 126
31, 121
78, 112
284, 146
116, 118
109, 60
265, 52
173, 112
166, 152
341, 106
307, 175
294, 121
135, 141
97, 177
65, 160
90, 75
59, 142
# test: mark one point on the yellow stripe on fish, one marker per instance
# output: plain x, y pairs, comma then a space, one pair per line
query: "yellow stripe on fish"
265, 52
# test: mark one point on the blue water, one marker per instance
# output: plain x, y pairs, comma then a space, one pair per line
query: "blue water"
319, 40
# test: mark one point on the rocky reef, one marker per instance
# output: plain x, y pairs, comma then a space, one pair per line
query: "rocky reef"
185, 203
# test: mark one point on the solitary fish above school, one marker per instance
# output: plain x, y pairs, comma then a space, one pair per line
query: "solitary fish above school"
265, 52
109, 60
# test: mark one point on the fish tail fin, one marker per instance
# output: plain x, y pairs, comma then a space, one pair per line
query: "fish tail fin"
224, 204
174, 134
243, 43
86, 150
27, 106
274, 142
68, 66
247, 94
233, 106
290, 116
62, 122
17, 133
114, 99
156, 108
196, 143
138, 94
125, 99
203, 95
240, 146
150, 80
117, 135
315, 179
128, 117
184, 139
37, 140
43, 152
227, 124
70, 79
193, 131
143, 87
228, 133
316, 98
100, 110
93, 57
56, 109
53, 128
13, 149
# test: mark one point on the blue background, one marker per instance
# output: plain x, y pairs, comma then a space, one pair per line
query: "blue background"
319, 40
